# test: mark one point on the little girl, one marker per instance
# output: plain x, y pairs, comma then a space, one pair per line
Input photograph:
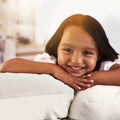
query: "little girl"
84, 56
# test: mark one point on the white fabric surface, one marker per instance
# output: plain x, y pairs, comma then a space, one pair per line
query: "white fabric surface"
33, 97
21, 84
96, 103
106, 65
45, 57
43, 107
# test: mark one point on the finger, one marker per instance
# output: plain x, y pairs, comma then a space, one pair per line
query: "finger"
72, 84
83, 85
76, 87
86, 81
85, 76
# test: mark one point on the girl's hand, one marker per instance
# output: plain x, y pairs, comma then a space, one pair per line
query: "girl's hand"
87, 78
76, 83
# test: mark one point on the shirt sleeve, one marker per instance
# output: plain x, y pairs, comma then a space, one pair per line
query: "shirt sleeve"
106, 65
45, 57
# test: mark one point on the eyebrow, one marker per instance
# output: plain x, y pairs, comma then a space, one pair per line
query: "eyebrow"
90, 48
66, 44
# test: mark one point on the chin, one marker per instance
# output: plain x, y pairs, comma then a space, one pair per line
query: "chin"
76, 74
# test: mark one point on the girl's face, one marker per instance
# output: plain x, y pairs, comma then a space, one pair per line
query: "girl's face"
77, 51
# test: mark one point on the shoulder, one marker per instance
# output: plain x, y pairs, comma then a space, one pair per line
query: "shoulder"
45, 57
106, 65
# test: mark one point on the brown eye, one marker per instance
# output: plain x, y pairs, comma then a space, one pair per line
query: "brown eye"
87, 53
68, 50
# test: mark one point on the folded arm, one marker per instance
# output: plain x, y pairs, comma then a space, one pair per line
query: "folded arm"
109, 77
17, 65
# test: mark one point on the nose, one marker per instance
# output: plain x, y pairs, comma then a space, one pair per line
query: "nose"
77, 58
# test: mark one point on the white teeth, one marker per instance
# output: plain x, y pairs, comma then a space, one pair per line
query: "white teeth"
76, 68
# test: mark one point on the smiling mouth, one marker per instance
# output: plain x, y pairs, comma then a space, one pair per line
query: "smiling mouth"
75, 69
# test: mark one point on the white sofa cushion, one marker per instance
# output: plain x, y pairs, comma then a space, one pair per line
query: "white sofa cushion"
100, 102
33, 97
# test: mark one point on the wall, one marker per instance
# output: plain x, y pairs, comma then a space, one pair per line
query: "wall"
39, 19
49, 14
26, 16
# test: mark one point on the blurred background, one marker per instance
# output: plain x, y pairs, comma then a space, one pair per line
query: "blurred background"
26, 25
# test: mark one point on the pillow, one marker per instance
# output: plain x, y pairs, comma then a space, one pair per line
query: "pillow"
100, 102
33, 96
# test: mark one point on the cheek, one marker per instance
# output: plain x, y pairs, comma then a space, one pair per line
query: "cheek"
92, 63
60, 60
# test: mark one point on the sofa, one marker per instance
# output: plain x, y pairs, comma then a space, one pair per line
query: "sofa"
26, 96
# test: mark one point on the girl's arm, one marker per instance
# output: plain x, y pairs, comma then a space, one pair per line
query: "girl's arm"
17, 65
109, 77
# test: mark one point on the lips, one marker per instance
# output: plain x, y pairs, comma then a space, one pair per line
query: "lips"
75, 69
